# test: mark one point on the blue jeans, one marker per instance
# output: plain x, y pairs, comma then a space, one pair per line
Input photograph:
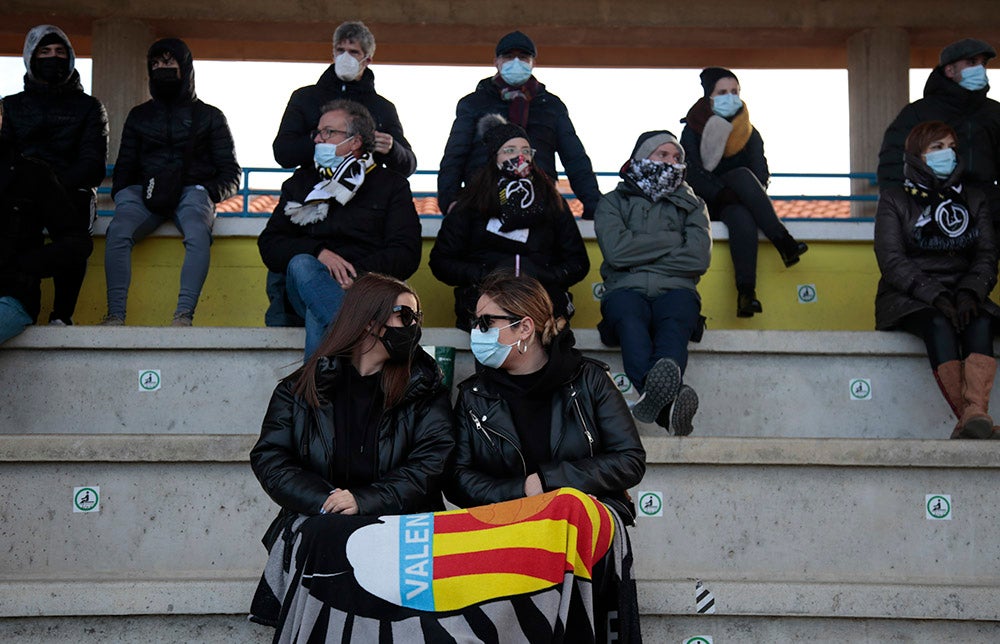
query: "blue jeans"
194, 217
651, 328
314, 295
13, 318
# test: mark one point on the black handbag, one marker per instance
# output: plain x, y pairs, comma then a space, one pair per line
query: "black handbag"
161, 191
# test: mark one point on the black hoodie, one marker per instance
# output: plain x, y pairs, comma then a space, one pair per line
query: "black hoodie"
157, 132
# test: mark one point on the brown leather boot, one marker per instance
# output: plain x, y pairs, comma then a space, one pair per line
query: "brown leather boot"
978, 372
949, 380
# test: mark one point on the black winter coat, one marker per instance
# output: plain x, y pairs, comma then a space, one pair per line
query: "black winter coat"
293, 147
465, 252
32, 199
594, 442
62, 126
976, 120
378, 230
293, 457
707, 184
550, 131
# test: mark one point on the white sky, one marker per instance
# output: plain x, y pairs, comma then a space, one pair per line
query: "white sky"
802, 114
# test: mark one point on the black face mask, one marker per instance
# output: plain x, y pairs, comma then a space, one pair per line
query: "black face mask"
401, 341
52, 70
165, 83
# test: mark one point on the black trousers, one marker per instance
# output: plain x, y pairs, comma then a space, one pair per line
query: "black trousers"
944, 342
68, 282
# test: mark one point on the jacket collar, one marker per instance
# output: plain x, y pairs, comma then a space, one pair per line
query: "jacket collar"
425, 375
944, 89
363, 85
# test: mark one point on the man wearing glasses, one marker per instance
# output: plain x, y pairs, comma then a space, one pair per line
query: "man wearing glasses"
339, 216
521, 99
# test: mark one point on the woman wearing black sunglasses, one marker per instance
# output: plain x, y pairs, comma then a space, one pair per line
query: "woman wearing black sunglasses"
539, 415
363, 428
509, 217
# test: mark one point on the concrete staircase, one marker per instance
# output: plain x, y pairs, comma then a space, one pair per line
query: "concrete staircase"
803, 511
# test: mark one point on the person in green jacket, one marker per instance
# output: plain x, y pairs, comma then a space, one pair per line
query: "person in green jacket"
656, 239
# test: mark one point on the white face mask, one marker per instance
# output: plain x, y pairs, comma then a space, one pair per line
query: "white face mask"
346, 66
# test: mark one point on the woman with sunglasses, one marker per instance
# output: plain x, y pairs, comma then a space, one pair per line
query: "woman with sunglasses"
364, 427
509, 217
538, 415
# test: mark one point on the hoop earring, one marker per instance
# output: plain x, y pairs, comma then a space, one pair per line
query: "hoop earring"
522, 347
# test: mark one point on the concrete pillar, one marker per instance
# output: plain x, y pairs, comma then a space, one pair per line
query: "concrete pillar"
120, 78
878, 64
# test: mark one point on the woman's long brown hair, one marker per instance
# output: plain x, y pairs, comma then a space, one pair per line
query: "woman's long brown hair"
481, 195
367, 307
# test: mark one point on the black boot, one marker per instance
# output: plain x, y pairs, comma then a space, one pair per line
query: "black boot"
790, 250
747, 303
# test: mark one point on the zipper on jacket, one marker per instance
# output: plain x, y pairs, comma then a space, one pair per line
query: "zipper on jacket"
583, 421
486, 431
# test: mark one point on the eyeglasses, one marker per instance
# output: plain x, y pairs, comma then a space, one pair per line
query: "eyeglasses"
407, 315
325, 134
529, 153
485, 321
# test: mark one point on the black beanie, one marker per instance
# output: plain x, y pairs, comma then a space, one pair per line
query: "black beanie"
50, 39
516, 40
495, 131
711, 75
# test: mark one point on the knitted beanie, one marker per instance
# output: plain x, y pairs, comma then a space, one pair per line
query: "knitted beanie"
711, 75
649, 141
495, 131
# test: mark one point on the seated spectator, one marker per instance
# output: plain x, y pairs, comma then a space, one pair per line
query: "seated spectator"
515, 93
338, 217
539, 416
935, 246
727, 168
656, 240
363, 428
32, 200
54, 121
176, 161
349, 77
509, 217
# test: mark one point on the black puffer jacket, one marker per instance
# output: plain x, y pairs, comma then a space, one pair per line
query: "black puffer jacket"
465, 252
976, 120
157, 132
595, 445
31, 199
378, 230
550, 131
293, 457
63, 127
912, 277
293, 146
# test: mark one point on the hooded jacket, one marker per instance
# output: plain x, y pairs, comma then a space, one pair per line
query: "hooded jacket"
913, 276
594, 443
975, 119
157, 132
293, 457
549, 128
58, 124
32, 200
293, 146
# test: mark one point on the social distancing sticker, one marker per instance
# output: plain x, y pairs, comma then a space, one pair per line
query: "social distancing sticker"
87, 498
650, 504
938, 507
149, 380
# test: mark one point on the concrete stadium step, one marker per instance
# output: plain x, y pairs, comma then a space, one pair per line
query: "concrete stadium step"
794, 537
218, 380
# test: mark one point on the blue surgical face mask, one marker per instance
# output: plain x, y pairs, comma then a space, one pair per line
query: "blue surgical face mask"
325, 155
974, 78
515, 72
726, 105
488, 349
941, 162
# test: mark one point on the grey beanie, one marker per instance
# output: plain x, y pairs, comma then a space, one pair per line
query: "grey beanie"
966, 49
649, 141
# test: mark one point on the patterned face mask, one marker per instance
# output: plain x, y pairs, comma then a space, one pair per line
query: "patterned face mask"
655, 179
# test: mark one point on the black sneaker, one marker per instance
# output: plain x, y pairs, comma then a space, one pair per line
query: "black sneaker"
662, 384
682, 412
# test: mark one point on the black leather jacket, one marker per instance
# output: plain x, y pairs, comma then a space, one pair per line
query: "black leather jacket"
293, 457
595, 448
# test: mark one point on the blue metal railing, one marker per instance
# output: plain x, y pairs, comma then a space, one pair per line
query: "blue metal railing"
246, 192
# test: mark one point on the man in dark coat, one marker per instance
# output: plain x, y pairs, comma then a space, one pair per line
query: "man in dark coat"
955, 93
514, 93
339, 216
176, 161
53, 120
32, 200
349, 78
